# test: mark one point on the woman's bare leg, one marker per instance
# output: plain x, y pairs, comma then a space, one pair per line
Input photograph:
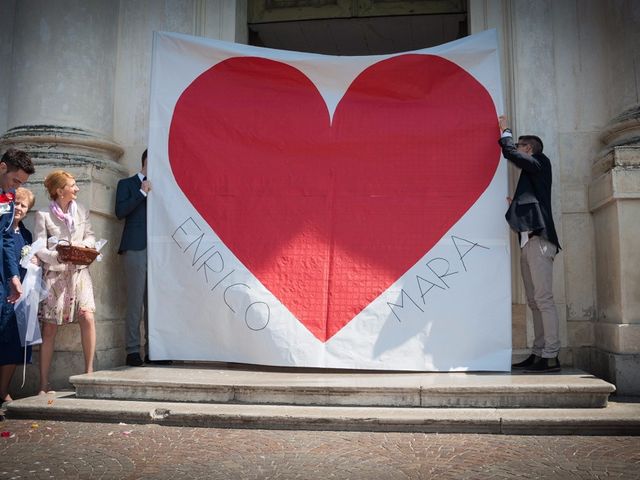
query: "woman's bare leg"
49, 331
6, 372
88, 337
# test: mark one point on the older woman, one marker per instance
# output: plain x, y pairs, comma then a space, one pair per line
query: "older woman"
11, 350
70, 295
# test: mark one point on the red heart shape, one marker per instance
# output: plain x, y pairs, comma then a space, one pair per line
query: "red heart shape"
327, 215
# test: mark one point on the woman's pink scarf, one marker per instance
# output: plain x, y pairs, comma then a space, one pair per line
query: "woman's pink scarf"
67, 218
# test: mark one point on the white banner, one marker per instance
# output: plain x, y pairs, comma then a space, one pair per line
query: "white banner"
320, 211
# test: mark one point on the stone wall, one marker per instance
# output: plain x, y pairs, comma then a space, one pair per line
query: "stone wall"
7, 9
74, 93
570, 67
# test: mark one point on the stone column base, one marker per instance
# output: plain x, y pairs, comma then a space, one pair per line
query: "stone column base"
623, 370
92, 159
614, 201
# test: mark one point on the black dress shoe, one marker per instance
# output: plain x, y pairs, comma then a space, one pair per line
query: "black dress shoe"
544, 365
530, 360
134, 360
157, 362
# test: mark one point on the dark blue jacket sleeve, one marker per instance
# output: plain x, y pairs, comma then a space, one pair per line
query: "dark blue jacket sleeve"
128, 197
10, 262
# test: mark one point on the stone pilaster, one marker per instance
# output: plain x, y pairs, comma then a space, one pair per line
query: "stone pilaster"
614, 201
60, 110
74, 92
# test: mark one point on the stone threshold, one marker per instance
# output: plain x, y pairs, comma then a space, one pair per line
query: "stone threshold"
568, 389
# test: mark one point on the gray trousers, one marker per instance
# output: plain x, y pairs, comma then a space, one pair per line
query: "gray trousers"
536, 263
135, 275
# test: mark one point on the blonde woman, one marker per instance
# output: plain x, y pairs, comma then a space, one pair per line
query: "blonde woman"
70, 295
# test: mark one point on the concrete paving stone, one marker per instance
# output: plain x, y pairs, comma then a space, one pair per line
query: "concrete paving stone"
55, 449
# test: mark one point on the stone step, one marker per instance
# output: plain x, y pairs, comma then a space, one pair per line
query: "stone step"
269, 386
618, 418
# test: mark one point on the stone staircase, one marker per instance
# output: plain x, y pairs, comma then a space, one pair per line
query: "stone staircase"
241, 396
270, 386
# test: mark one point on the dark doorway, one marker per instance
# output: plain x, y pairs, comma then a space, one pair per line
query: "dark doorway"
355, 27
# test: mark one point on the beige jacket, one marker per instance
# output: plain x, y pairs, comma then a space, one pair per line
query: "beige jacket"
48, 225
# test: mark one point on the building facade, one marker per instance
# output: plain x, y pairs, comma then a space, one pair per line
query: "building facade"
74, 92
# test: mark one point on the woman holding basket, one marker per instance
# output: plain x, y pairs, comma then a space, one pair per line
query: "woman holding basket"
70, 296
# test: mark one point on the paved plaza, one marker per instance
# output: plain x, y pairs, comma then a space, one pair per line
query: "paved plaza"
53, 449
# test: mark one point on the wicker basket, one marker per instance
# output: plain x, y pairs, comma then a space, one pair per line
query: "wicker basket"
76, 255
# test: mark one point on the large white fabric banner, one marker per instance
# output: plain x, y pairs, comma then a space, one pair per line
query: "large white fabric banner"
320, 211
